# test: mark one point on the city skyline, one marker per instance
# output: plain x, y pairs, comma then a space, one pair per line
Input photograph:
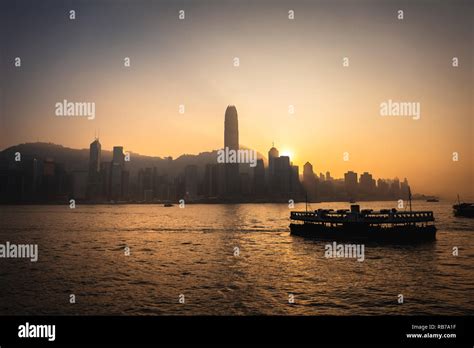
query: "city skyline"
298, 95
36, 178
322, 174
205, 166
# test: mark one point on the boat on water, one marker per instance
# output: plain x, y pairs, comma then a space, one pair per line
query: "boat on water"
366, 225
168, 205
386, 225
435, 200
463, 209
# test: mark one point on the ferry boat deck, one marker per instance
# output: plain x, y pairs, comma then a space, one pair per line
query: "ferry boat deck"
386, 225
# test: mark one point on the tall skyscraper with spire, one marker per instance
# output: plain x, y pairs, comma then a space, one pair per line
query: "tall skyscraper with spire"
93, 178
231, 141
231, 128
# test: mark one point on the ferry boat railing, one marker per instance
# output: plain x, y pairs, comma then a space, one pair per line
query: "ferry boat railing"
371, 218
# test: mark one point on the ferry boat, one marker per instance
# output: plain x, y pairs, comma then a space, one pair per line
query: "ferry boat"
386, 225
463, 209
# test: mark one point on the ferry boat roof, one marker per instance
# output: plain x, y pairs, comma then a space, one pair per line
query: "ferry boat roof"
365, 216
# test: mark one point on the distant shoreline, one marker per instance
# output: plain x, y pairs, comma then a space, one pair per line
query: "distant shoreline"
78, 202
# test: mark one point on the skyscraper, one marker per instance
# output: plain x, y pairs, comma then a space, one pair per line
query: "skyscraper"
273, 154
366, 183
259, 179
94, 157
117, 164
93, 176
309, 181
282, 176
231, 128
231, 141
351, 184
118, 156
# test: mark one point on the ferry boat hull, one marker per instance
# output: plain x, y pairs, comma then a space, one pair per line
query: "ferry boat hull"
464, 210
366, 225
357, 232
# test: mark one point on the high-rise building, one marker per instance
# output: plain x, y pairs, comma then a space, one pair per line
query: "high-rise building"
282, 176
259, 179
118, 156
93, 176
309, 181
231, 141
295, 186
94, 157
350, 184
404, 188
366, 183
214, 180
231, 128
273, 154
382, 188
394, 191
118, 161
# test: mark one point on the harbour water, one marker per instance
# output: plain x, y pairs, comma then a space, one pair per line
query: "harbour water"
223, 260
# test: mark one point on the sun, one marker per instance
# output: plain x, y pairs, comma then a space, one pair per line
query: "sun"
287, 152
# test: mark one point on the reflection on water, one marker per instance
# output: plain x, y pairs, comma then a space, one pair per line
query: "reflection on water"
190, 251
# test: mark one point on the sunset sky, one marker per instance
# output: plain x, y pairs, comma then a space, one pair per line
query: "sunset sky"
282, 62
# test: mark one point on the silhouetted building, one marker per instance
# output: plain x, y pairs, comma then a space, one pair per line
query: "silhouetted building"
259, 179
118, 155
231, 141
404, 188
282, 176
116, 170
273, 154
309, 181
295, 186
210, 180
394, 191
94, 177
366, 184
55, 182
382, 188
350, 184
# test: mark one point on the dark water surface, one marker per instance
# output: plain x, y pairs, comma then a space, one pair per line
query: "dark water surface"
190, 251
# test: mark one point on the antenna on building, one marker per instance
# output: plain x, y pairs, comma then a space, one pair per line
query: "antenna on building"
409, 196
